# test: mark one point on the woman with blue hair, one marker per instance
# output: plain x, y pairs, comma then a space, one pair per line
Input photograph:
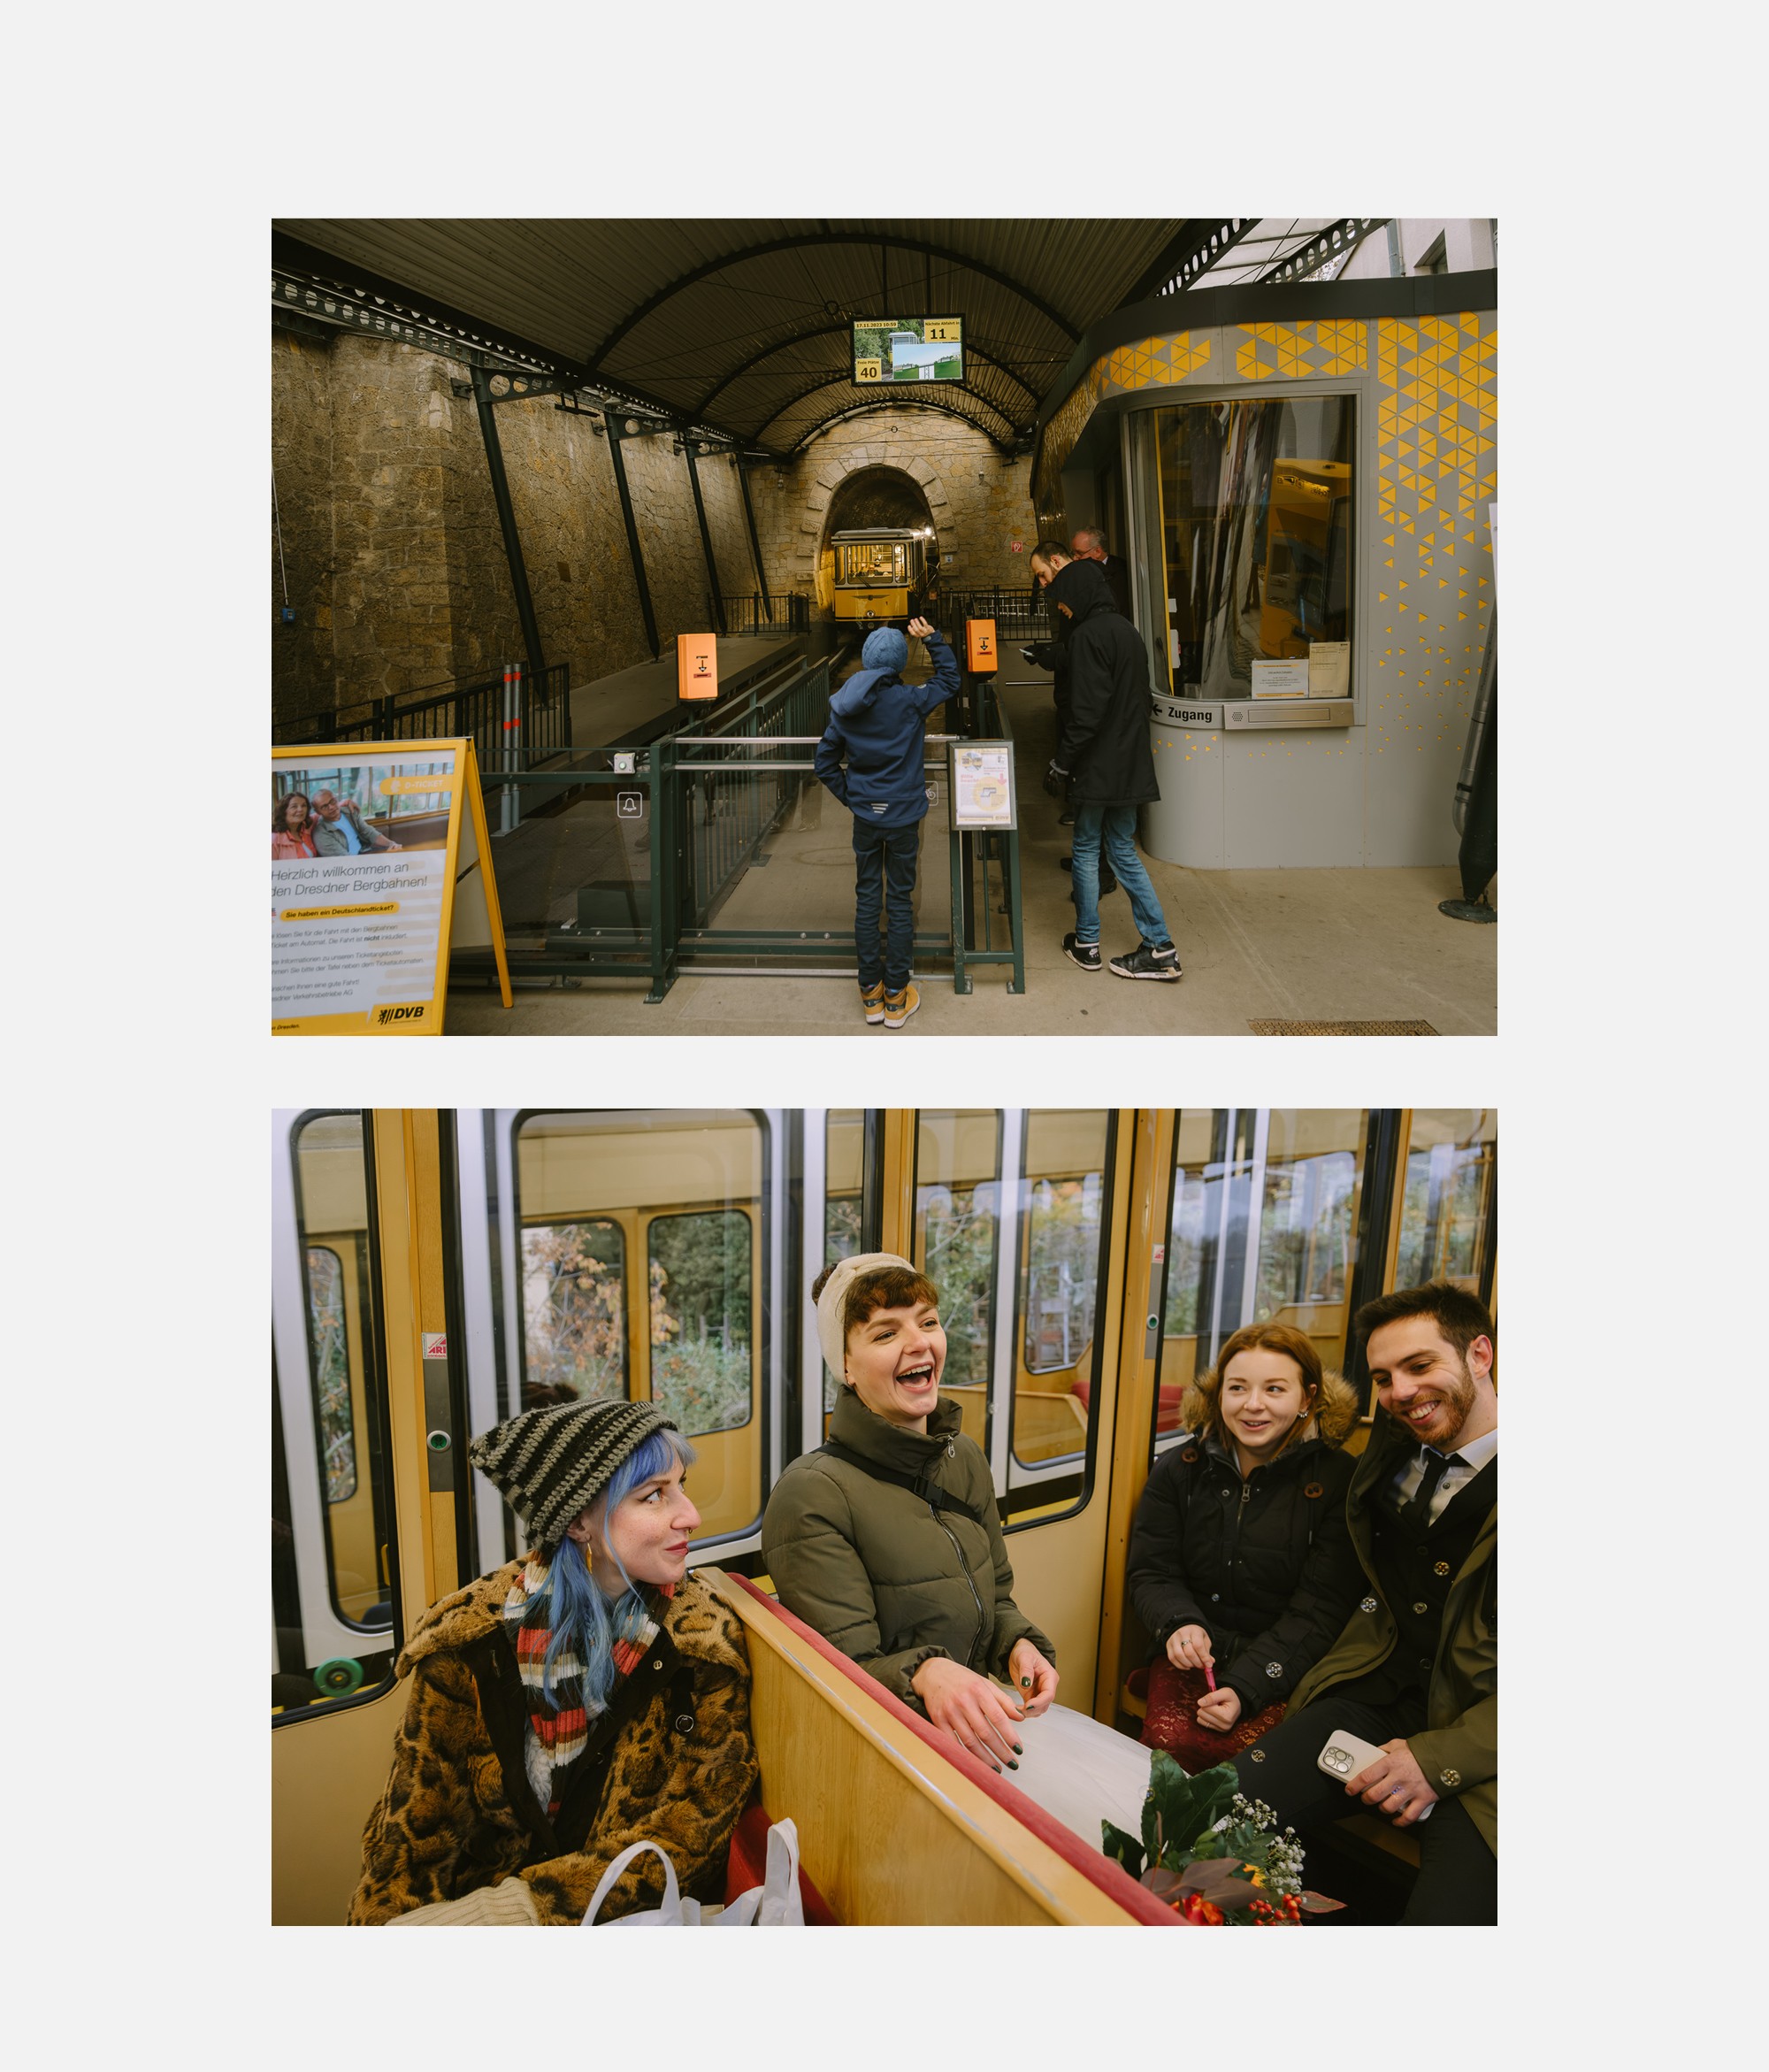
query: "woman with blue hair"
589, 1694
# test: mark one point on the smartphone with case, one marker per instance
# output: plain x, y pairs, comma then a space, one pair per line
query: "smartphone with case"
1345, 1756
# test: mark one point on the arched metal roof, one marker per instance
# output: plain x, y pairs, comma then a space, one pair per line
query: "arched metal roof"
742, 325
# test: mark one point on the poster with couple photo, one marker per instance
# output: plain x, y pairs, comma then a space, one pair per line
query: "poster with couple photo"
375, 871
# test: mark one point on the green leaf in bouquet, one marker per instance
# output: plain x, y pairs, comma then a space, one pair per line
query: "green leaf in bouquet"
1122, 1848
1181, 1807
1206, 1846
1164, 1884
1319, 1903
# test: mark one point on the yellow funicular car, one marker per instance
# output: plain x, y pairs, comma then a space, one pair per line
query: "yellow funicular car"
881, 575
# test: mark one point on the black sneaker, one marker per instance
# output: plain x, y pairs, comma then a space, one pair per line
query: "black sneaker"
1148, 961
1084, 953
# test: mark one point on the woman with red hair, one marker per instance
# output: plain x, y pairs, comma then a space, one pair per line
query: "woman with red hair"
1241, 1565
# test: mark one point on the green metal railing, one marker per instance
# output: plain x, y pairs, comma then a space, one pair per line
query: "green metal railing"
709, 796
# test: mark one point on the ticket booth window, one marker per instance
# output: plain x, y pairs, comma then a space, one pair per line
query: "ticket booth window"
1255, 517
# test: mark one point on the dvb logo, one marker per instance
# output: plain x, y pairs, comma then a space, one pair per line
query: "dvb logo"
399, 1013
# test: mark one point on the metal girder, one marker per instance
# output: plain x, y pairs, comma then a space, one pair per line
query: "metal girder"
804, 240
501, 386
836, 330
1200, 242
299, 324
352, 298
1007, 448
1336, 241
506, 510
890, 401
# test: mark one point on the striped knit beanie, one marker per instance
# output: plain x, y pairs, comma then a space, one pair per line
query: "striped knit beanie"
550, 1464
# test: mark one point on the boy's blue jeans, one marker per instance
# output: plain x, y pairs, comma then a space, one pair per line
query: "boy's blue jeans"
884, 857
1114, 826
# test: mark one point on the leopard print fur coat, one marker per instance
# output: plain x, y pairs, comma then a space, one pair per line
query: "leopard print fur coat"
671, 1760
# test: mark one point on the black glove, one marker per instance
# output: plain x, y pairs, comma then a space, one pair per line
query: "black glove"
1056, 781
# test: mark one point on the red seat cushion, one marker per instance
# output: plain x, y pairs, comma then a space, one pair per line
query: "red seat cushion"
749, 1866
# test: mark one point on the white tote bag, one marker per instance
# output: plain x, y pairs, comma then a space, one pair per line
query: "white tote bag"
776, 1903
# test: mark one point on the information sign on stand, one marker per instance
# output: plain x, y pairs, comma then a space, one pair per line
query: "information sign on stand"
697, 665
982, 784
381, 864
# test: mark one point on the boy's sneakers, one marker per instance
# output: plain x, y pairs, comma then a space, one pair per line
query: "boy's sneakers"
899, 1006
872, 1000
1148, 961
1084, 953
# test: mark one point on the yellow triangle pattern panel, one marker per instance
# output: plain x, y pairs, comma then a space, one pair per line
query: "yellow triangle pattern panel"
1437, 447
1291, 351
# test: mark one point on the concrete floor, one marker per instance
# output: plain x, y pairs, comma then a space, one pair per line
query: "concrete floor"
1290, 944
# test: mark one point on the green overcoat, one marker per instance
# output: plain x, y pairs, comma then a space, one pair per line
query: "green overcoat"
877, 1571
1459, 1751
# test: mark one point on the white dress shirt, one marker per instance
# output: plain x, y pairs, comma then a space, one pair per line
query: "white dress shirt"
1465, 1463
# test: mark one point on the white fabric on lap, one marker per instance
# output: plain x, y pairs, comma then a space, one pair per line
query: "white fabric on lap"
1082, 1772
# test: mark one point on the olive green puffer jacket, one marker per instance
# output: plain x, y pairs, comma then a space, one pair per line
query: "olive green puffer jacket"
876, 1570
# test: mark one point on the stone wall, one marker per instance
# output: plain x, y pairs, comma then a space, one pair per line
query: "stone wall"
394, 558
980, 503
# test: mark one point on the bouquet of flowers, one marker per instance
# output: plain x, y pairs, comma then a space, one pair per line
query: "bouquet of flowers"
1214, 1856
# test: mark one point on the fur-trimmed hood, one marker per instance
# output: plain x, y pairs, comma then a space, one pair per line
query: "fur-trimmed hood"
1334, 1414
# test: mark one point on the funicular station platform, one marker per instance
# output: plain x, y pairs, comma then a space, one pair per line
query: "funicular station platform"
514, 462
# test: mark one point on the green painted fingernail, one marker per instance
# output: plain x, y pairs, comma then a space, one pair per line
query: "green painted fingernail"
1017, 1749
1013, 1766
1025, 1683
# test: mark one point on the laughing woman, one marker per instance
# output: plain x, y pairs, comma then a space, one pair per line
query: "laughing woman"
887, 1540
571, 1702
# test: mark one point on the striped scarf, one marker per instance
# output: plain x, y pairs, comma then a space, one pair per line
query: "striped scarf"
561, 1726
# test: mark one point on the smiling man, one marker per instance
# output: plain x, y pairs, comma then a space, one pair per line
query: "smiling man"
1415, 1671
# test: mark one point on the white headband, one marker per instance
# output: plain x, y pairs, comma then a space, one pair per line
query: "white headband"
831, 1303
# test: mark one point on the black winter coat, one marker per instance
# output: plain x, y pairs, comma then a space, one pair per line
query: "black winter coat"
1264, 1566
1104, 740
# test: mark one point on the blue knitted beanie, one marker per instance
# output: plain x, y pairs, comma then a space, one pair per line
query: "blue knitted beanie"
886, 649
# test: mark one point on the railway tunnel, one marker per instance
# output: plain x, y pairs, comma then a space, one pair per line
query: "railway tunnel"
557, 447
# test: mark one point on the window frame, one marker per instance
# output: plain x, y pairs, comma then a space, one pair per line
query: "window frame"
1032, 1488
773, 1213
289, 1322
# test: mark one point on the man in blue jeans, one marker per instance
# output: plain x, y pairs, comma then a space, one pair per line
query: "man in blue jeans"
878, 723
1104, 766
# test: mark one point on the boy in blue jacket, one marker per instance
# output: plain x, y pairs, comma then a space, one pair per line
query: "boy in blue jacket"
880, 724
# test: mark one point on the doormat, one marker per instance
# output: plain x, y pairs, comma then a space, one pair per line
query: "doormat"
1342, 1028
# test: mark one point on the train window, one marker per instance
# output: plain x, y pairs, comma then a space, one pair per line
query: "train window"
1447, 1206
573, 1312
1263, 1230
331, 1592
327, 1335
703, 1361
684, 1188
958, 1175
1256, 499
1063, 1200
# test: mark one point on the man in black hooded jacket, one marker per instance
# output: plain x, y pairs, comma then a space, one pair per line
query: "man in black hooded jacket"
1107, 768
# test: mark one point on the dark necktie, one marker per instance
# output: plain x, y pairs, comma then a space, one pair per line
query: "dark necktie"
1415, 1514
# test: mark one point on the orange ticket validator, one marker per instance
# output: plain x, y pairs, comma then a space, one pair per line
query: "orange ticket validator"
697, 668
979, 646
